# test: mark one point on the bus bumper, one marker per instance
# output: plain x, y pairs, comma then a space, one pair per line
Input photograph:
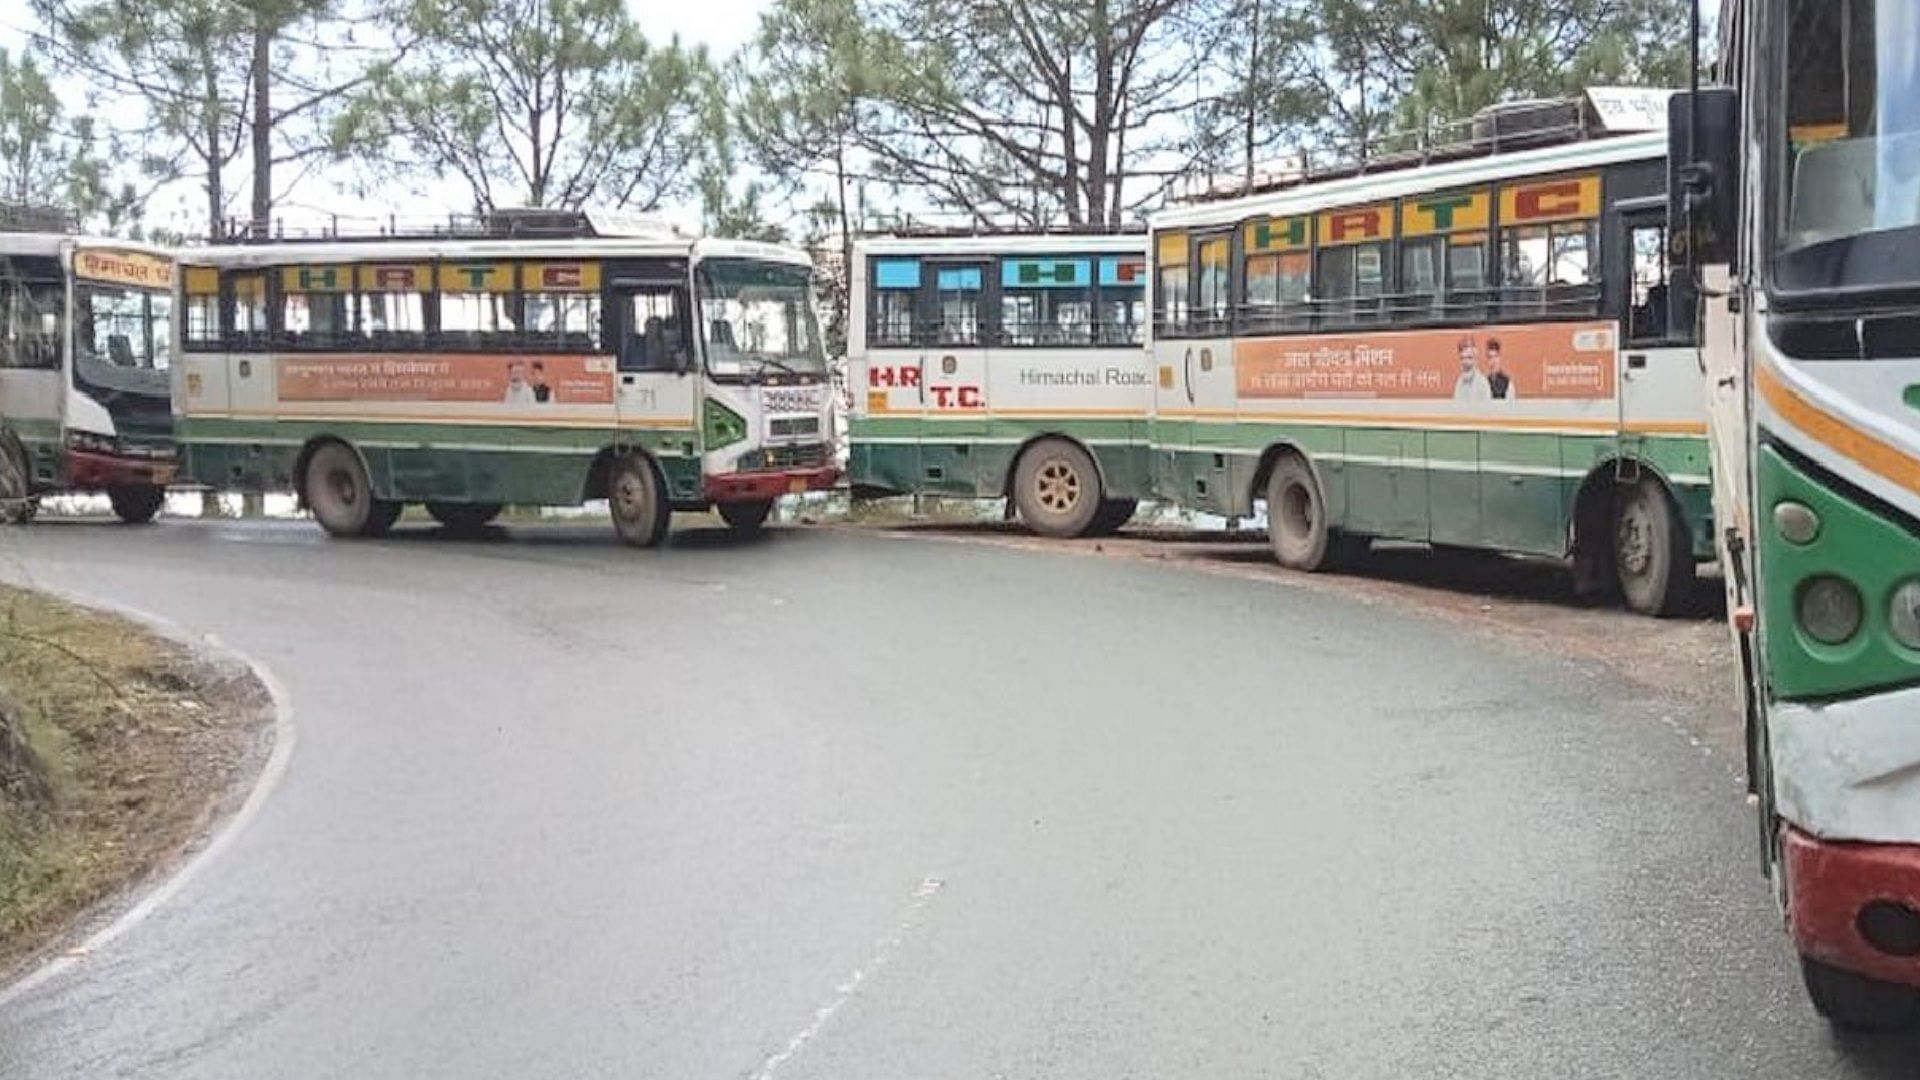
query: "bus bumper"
756, 486
89, 470
1855, 906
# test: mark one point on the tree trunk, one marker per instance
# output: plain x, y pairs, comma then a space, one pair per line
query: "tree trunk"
210, 126
262, 126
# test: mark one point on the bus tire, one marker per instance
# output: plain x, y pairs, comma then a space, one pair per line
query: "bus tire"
1652, 560
18, 505
464, 517
745, 518
640, 514
1297, 516
1857, 1002
335, 487
136, 504
380, 521
1057, 489
1112, 516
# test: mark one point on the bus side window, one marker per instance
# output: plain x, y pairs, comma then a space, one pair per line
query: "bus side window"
891, 319
653, 334
1646, 314
32, 328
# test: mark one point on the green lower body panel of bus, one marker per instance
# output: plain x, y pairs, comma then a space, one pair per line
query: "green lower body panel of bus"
1504, 490
526, 466
968, 458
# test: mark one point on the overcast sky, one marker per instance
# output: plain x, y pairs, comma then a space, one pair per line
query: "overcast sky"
721, 25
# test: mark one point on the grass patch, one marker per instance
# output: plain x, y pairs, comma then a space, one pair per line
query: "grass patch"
116, 748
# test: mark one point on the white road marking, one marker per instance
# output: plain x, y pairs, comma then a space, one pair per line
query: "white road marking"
883, 954
263, 786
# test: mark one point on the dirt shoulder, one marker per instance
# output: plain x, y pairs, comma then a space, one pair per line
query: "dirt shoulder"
118, 748
1685, 664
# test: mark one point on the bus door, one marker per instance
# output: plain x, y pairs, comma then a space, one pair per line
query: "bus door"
656, 366
889, 393
1207, 372
1661, 384
953, 380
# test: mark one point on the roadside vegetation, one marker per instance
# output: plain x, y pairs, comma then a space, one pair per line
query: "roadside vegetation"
117, 747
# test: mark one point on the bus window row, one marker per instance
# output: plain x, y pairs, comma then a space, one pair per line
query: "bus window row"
1523, 250
1009, 302
505, 306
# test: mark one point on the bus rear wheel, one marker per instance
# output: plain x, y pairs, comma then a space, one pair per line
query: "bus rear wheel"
136, 504
640, 514
336, 489
464, 517
1112, 516
745, 518
380, 520
1857, 1002
1057, 489
1297, 516
1651, 556
18, 505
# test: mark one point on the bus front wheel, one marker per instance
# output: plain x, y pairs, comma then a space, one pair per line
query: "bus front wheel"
640, 514
336, 489
1057, 489
1297, 516
1651, 555
746, 518
1857, 1002
136, 504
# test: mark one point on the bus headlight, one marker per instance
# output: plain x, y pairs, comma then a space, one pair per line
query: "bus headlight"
1903, 614
1830, 610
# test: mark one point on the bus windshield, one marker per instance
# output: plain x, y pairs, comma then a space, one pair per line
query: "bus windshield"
122, 337
758, 319
1850, 218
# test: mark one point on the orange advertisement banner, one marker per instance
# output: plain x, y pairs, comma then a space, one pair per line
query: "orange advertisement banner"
527, 381
1553, 361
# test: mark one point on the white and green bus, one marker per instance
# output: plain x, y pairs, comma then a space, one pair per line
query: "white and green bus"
85, 340
1467, 346
1003, 366
1801, 210
532, 358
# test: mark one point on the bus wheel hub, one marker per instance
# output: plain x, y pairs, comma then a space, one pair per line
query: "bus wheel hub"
1059, 486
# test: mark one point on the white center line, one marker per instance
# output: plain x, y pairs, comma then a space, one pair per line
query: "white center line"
883, 954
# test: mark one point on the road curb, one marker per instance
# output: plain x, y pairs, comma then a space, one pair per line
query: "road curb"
147, 899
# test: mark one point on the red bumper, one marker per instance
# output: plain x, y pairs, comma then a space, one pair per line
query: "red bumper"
88, 470
1841, 897
755, 486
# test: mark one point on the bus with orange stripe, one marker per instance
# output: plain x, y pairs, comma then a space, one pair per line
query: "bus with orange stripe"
533, 358
1003, 366
1465, 344
1798, 204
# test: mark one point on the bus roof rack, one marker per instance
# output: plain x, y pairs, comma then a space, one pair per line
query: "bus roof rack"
511, 223
908, 230
1498, 129
20, 217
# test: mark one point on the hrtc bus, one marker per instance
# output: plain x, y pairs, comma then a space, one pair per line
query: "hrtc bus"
1003, 366
1467, 346
85, 337
528, 359
1801, 220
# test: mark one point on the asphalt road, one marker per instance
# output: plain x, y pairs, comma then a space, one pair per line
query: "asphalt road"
841, 806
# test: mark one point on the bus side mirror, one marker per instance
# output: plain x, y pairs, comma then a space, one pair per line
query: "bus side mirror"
1703, 176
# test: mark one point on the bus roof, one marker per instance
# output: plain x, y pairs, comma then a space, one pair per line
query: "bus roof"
1374, 187
1133, 243
46, 244
276, 253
